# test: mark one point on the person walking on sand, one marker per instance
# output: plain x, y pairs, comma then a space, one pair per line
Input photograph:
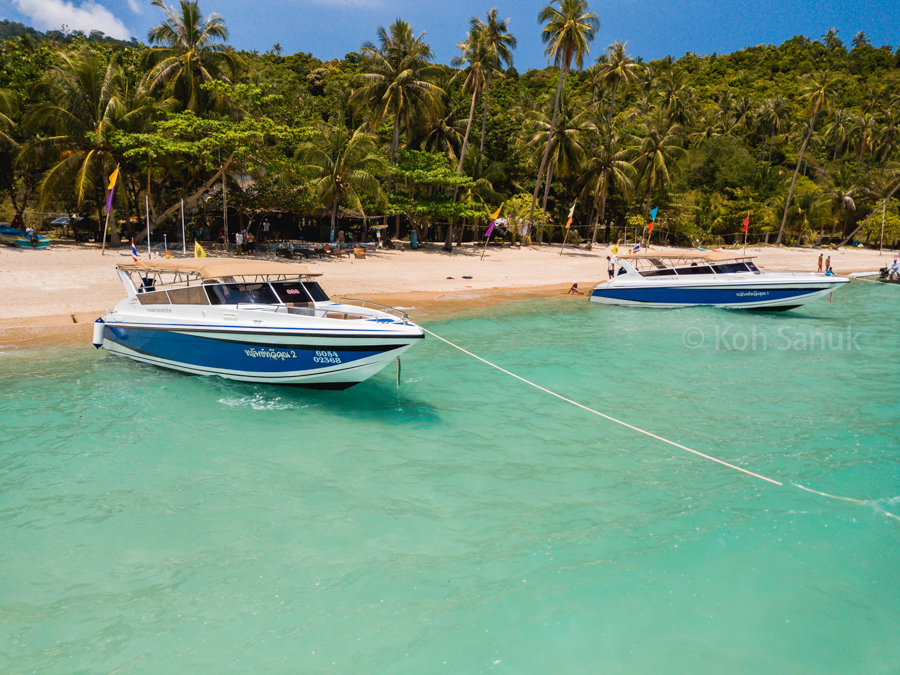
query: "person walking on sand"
610, 267
820, 264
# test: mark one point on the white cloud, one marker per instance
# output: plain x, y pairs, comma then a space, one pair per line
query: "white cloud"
135, 6
52, 14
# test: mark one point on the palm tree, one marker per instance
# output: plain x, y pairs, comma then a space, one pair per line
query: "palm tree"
865, 129
397, 81
191, 52
344, 167
85, 104
860, 40
838, 130
773, 118
607, 166
568, 33
818, 94
9, 102
830, 38
888, 139
842, 188
619, 68
479, 60
501, 43
657, 154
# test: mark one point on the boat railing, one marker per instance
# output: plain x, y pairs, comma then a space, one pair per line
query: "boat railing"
374, 305
317, 312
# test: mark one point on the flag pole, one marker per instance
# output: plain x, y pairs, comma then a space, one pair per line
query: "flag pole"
147, 209
108, 205
183, 240
564, 241
486, 240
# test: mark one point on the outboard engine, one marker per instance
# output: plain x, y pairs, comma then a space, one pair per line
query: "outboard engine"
99, 325
31, 234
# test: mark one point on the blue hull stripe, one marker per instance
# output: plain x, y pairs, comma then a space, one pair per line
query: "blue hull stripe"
703, 296
227, 354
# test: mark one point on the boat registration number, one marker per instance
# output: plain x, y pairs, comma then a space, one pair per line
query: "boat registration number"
326, 357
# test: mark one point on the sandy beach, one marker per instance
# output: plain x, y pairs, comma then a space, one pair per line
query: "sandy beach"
50, 296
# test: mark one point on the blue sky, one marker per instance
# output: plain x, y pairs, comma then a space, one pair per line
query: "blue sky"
331, 28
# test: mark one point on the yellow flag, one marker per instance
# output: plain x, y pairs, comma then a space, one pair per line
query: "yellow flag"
497, 215
112, 179
614, 250
198, 250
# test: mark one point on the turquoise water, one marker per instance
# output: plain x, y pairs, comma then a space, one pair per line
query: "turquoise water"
152, 522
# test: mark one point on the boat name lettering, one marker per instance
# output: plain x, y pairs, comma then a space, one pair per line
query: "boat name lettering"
292, 291
270, 354
159, 309
753, 294
326, 357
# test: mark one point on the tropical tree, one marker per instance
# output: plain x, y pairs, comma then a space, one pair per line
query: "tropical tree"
501, 43
478, 60
397, 81
838, 130
656, 155
86, 103
568, 32
841, 191
830, 38
607, 166
860, 40
190, 51
344, 167
818, 93
8, 105
618, 68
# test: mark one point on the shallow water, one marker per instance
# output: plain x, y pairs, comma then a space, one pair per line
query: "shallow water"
153, 522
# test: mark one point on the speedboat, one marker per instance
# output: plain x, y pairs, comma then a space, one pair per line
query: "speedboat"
23, 239
713, 278
253, 321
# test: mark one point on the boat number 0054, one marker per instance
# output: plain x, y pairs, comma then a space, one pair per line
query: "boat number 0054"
326, 357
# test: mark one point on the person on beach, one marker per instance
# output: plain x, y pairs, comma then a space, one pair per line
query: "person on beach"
251, 244
574, 290
266, 229
827, 263
610, 267
239, 241
820, 264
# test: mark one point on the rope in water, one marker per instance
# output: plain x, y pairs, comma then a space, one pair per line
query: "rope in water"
643, 431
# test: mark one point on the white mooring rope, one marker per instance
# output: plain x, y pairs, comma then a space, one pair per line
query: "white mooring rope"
647, 433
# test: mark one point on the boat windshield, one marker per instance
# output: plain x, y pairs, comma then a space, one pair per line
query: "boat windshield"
292, 292
233, 294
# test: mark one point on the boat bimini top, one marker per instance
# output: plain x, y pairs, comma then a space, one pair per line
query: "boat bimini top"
212, 269
701, 262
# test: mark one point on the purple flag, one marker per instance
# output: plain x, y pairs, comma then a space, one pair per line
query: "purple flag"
490, 229
109, 199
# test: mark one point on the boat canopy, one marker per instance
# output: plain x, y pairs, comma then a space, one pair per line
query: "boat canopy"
220, 268
708, 256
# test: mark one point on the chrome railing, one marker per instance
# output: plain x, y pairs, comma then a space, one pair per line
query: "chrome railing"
374, 305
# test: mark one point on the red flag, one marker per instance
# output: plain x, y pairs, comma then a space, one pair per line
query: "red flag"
650, 231
746, 224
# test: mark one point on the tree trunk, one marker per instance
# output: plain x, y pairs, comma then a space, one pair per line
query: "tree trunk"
537, 185
600, 217
334, 214
448, 242
547, 185
612, 103
487, 91
462, 154
794, 179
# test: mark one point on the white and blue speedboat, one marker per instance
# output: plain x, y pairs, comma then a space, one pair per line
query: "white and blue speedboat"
713, 278
252, 321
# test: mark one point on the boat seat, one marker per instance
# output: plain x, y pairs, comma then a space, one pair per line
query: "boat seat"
342, 315
299, 304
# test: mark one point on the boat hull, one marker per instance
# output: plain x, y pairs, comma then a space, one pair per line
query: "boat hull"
270, 357
21, 241
769, 297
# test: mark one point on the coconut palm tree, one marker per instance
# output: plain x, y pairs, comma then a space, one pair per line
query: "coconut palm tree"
568, 32
773, 118
501, 43
860, 40
888, 139
837, 130
841, 191
819, 91
86, 102
8, 104
479, 60
607, 166
190, 51
398, 80
657, 154
344, 166
618, 68
865, 130
830, 38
